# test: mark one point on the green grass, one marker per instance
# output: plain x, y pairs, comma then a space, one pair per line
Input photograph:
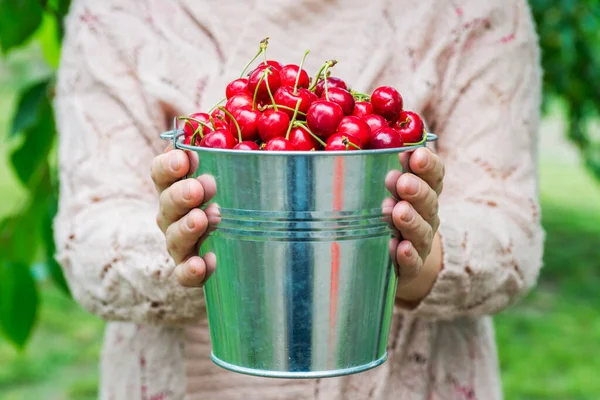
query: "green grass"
547, 343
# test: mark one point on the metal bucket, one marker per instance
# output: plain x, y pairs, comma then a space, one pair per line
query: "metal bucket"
304, 285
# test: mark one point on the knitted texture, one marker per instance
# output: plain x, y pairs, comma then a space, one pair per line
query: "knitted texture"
470, 67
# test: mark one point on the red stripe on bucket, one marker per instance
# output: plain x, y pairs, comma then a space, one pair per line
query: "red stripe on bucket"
338, 202
333, 289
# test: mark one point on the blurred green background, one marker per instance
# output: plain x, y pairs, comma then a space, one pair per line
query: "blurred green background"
549, 344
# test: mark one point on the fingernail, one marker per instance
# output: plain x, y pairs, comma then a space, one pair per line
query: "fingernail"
408, 216
407, 251
412, 186
189, 222
193, 270
424, 161
175, 161
186, 191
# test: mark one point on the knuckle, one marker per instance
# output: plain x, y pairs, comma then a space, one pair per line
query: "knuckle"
436, 224
433, 211
172, 246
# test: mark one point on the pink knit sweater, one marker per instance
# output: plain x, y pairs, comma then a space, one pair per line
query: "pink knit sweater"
471, 67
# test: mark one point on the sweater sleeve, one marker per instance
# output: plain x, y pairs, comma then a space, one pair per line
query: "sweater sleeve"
486, 112
113, 254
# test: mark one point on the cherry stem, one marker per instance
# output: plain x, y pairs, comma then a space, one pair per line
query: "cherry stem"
423, 140
216, 105
237, 126
300, 71
289, 129
198, 122
326, 83
303, 126
256, 91
328, 64
280, 106
265, 50
268, 71
212, 121
349, 143
360, 96
263, 47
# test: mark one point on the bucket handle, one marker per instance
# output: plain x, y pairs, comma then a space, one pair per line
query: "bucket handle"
173, 134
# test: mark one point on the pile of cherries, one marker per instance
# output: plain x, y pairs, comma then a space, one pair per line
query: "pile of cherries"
278, 107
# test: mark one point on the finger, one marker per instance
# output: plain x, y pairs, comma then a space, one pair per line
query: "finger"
424, 200
429, 167
168, 168
178, 200
413, 227
196, 270
409, 262
209, 185
213, 215
390, 182
404, 158
183, 235
194, 161
387, 206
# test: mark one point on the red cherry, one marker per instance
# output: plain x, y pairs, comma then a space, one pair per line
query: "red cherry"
189, 126
285, 97
339, 141
375, 122
386, 138
279, 144
332, 82
247, 119
255, 77
323, 117
220, 124
387, 102
302, 140
275, 64
218, 114
239, 85
238, 101
219, 139
362, 108
272, 124
410, 127
246, 145
342, 97
288, 75
356, 127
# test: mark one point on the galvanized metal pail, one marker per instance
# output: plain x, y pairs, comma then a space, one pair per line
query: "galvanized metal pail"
304, 285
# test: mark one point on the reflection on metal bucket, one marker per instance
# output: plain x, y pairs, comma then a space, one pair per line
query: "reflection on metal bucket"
304, 285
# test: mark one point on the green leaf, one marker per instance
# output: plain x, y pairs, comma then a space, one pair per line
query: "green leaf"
31, 101
19, 236
48, 38
29, 159
18, 302
61, 6
18, 20
54, 269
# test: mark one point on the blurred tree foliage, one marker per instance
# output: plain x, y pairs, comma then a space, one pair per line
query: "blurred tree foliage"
569, 33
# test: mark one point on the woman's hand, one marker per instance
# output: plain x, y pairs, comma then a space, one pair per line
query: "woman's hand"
417, 250
180, 219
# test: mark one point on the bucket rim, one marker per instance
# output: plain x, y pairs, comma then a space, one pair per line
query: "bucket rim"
174, 134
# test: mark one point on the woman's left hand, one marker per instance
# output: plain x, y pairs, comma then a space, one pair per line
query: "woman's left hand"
414, 213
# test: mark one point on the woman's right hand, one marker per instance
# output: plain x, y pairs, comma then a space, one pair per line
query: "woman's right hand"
184, 224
